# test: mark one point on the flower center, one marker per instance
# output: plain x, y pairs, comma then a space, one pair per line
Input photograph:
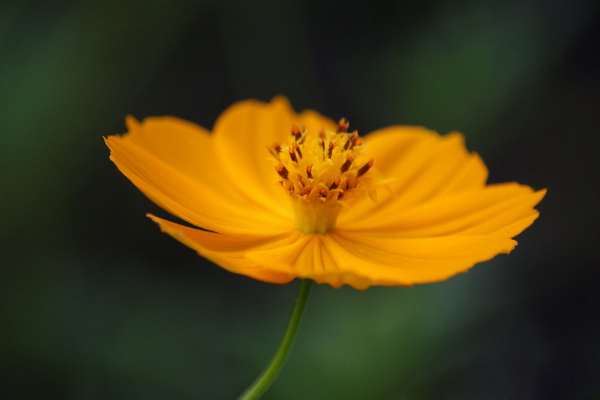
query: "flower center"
322, 172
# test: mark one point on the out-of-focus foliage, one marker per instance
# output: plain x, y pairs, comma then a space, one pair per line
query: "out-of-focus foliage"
96, 303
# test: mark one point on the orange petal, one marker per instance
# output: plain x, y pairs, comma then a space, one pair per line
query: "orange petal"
491, 210
423, 166
511, 218
187, 148
242, 134
183, 145
229, 251
393, 262
193, 191
339, 258
309, 258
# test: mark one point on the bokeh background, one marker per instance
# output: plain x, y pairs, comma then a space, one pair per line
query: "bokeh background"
96, 303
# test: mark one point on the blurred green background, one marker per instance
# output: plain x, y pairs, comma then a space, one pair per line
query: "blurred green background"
96, 303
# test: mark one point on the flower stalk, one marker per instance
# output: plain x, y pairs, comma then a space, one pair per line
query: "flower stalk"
264, 381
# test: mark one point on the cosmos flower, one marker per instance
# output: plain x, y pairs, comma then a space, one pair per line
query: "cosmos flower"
276, 195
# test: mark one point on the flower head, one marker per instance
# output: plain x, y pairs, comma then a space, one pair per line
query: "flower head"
279, 195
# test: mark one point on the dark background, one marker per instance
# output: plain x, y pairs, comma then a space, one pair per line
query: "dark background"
96, 303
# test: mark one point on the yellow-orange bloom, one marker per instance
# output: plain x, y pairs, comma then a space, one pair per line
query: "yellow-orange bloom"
280, 195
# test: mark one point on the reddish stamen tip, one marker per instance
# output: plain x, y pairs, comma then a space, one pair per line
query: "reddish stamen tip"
335, 183
343, 125
282, 171
348, 143
363, 170
347, 164
351, 142
309, 171
296, 132
297, 149
356, 140
332, 145
274, 149
293, 155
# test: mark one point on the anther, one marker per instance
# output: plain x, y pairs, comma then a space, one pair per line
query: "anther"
335, 183
343, 125
332, 145
347, 164
275, 149
351, 142
356, 140
309, 171
322, 134
296, 132
297, 149
282, 171
348, 142
293, 155
363, 170
303, 137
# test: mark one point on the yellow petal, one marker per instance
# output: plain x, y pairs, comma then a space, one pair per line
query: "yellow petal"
338, 258
242, 134
476, 212
185, 147
229, 251
509, 221
391, 262
189, 191
421, 165
308, 258
180, 144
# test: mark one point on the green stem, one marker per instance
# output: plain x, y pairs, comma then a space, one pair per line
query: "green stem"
262, 383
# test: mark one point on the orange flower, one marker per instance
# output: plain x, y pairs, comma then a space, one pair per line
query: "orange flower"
280, 195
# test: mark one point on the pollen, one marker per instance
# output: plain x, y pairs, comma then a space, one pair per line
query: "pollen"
322, 172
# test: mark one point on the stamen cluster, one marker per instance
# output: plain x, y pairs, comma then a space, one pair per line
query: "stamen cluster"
322, 171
